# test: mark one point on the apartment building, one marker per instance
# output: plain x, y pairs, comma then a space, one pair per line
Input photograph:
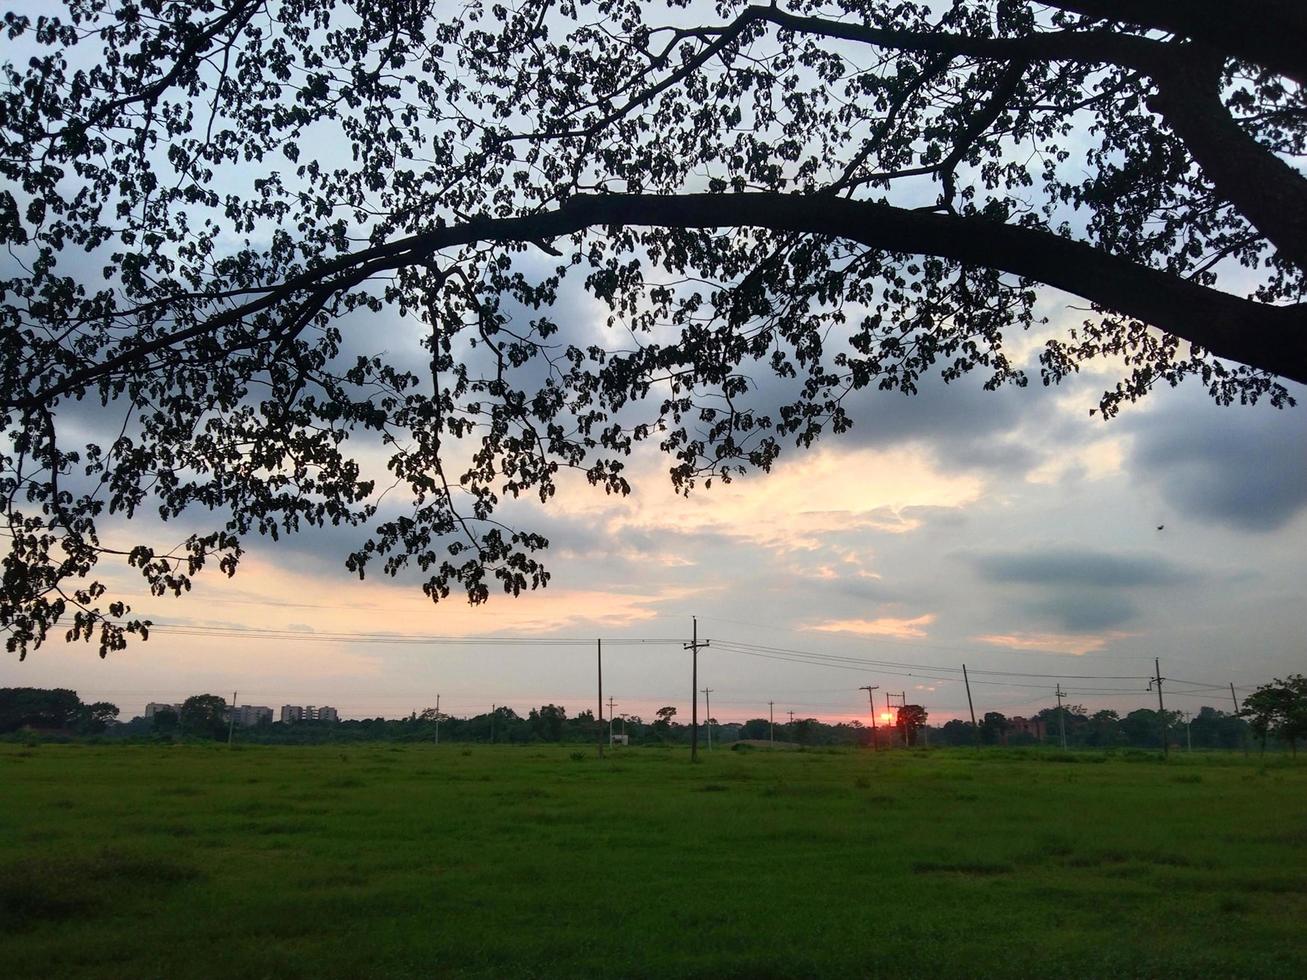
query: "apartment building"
248, 715
292, 712
295, 712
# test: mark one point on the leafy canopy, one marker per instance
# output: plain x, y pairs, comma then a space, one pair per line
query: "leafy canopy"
1280, 709
220, 216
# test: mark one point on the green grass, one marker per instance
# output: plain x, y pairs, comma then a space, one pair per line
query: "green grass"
422, 861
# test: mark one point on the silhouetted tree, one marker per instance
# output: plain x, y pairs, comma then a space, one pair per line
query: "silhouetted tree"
839, 194
1216, 729
1279, 708
957, 732
755, 728
1073, 716
910, 719
1142, 726
165, 721
803, 730
95, 718
663, 720
993, 727
203, 715
1104, 729
38, 707
547, 722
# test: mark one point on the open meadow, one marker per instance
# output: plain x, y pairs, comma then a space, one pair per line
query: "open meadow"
421, 860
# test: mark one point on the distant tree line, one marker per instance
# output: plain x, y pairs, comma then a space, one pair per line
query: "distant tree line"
547, 723
1210, 728
1275, 715
202, 716
57, 709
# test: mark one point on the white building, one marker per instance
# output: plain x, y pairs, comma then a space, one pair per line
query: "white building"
249, 715
154, 707
295, 712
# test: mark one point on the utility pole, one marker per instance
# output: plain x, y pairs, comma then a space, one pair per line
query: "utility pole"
610, 722
791, 717
871, 701
1242, 739
694, 645
974, 727
707, 710
1188, 731
494, 709
771, 722
1161, 711
437, 718
599, 730
231, 719
1061, 716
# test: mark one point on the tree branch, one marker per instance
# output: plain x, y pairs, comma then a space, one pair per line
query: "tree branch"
999, 101
236, 17
1270, 193
1271, 33
1085, 46
1271, 338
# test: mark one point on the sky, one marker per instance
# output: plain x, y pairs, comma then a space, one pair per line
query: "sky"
1011, 531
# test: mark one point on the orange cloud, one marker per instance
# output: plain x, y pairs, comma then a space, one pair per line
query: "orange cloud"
264, 595
1075, 644
904, 629
795, 508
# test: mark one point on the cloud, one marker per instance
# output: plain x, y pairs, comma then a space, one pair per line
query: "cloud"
960, 424
1244, 468
389, 606
1079, 591
1081, 567
1075, 644
808, 500
1084, 611
904, 629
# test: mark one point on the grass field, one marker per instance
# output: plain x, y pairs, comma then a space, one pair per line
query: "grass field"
417, 861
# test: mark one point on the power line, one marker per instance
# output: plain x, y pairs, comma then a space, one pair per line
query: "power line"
740, 646
403, 638
925, 645
820, 661
938, 672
